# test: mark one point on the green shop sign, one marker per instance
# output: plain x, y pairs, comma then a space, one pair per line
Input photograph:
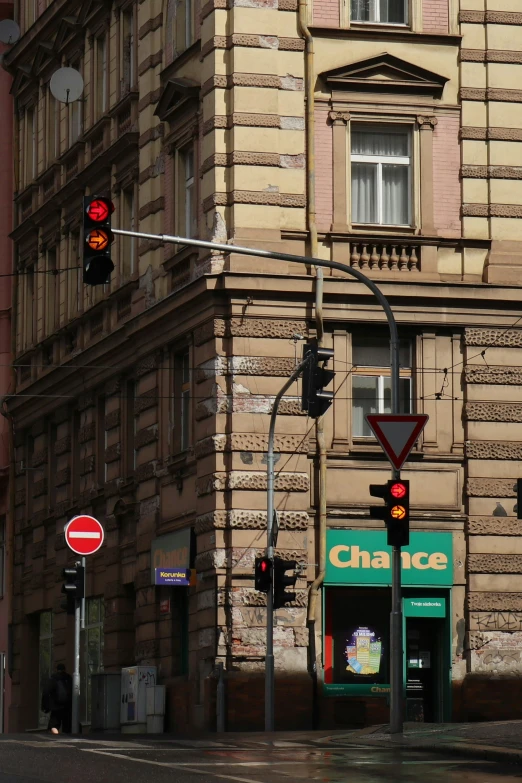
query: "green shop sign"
359, 557
424, 607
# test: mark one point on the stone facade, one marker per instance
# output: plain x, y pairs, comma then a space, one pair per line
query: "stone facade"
194, 117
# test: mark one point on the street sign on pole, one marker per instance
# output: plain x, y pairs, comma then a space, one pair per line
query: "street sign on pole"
84, 535
397, 433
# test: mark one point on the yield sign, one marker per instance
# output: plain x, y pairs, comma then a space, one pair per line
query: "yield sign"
84, 535
397, 433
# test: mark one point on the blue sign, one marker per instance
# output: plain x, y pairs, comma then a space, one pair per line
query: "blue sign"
173, 576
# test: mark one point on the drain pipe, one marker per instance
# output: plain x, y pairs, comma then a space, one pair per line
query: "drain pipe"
319, 428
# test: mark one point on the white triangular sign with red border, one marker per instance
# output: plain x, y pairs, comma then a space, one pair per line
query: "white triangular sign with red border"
397, 433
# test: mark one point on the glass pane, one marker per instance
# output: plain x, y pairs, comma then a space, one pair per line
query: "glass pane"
380, 141
363, 10
92, 611
364, 193
375, 352
46, 619
395, 195
185, 406
185, 375
392, 11
364, 390
404, 395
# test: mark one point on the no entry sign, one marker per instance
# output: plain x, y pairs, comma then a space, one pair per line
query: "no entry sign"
84, 535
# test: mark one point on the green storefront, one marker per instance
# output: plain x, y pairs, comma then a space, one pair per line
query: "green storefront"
357, 604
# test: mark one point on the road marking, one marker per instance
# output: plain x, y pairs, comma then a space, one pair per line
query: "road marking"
170, 766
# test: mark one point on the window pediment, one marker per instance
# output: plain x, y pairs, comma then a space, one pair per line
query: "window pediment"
176, 93
384, 73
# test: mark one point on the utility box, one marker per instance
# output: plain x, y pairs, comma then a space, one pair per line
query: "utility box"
134, 683
155, 709
105, 701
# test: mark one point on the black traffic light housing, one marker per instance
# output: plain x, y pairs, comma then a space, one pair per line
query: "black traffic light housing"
315, 400
73, 586
263, 574
97, 239
396, 510
281, 581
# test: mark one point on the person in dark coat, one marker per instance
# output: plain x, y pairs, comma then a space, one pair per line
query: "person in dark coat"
57, 700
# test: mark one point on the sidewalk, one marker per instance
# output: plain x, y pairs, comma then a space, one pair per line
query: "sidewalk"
498, 741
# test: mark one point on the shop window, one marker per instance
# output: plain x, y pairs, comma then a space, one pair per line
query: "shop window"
45, 658
357, 639
371, 380
93, 651
380, 11
179, 611
381, 175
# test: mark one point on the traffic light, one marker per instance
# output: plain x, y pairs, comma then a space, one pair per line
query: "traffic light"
314, 398
73, 587
97, 239
396, 510
263, 574
281, 580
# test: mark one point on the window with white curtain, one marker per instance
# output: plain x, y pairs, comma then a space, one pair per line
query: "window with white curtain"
381, 175
380, 11
371, 380
188, 221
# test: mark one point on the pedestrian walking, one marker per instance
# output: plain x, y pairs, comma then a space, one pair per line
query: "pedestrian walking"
57, 700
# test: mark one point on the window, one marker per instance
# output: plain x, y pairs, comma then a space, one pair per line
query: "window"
381, 175
101, 76
45, 658
187, 212
32, 12
2, 554
30, 145
128, 51
30, 304
73, 276
75, 114
371, 381
181, 402
380, 11
128, 244
189, 25
130, 428
53, 293
53, 128
93, 657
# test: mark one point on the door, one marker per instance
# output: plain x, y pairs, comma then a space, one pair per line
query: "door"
424, 669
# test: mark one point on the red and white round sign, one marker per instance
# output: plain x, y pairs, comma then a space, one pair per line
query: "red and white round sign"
84, 535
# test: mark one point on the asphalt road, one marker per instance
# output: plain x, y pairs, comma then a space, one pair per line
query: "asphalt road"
43, 758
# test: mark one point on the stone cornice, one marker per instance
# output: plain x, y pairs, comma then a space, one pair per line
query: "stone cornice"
491, 488
509, 376
494, 526
267, 81
226, 5
252, 41
493, 411
501, 338
490, 94
253, 197
490, 134
491, 449
253, 159
491, 172
253, 120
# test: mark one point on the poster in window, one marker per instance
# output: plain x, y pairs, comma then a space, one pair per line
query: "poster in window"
363, 652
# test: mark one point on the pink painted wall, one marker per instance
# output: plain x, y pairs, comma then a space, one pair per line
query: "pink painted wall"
6, 225
323, 170
446, 183
326, 13
435, 16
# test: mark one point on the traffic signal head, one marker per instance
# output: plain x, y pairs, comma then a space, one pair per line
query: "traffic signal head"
396, 510
263, 574
73, 586
316, 376
97, 238
281, 581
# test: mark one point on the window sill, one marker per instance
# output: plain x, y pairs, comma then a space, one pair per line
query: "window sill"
363, 229
380, 32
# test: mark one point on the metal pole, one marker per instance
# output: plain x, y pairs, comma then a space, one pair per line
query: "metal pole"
84, 566
396, 656
76, 674
269, 660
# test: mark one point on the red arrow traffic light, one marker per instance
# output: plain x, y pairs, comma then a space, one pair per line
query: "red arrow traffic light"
99, 209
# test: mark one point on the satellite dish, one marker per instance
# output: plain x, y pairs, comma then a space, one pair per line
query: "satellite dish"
66, 85
9, 31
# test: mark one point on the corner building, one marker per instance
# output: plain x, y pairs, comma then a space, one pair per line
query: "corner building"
382, 135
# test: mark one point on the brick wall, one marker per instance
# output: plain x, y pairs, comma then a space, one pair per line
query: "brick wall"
326, 13
435, 16
324, 170
446, 182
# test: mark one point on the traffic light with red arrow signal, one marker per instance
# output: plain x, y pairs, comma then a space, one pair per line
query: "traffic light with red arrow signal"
396, 510
97, 239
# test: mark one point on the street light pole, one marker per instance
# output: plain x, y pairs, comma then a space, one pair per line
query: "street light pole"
396, 655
